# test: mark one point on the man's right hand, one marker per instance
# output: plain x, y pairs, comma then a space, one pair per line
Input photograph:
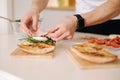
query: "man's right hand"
29, 23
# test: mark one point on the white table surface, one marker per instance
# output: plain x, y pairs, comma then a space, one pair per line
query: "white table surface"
60, 67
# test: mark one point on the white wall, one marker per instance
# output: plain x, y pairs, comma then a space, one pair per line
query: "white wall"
49, 17
21, 7
52, 17
3, 9
6, 11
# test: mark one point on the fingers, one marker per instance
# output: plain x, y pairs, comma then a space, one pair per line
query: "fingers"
56, 32
31, 18
25, 29
60, 35
35, 23
26, 23
64, 30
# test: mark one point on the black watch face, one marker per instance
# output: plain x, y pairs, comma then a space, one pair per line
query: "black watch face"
81, 23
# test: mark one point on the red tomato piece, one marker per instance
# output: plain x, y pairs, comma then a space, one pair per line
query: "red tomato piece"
99, 41
108, 42
117, 41
91, 40
114, 44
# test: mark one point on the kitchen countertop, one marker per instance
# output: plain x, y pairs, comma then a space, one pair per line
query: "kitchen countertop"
60, 67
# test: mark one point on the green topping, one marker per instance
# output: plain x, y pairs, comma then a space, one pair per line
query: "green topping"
32, 40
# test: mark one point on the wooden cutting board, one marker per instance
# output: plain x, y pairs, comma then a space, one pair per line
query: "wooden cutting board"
19, 53
84, 37
83, 64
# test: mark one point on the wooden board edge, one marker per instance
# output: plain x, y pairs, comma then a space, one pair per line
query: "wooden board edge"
30, 56
97, 66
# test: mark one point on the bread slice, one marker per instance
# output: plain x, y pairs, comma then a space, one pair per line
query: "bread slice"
93, 53
37, 48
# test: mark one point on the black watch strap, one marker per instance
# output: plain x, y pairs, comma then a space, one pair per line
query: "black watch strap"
80, 21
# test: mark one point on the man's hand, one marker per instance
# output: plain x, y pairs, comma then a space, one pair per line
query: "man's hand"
64, 30
29, 23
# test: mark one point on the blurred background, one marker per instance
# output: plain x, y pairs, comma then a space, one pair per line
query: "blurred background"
14, 9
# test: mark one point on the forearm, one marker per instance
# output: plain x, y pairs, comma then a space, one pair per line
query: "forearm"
102, 13
39, 5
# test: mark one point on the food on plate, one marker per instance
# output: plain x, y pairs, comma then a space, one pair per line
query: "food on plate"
37, 45
114, 42
93, 53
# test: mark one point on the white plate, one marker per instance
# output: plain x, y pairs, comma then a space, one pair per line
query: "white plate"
8, 76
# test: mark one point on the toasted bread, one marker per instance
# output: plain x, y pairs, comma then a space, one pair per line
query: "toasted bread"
37, 45
93, 53
37, 48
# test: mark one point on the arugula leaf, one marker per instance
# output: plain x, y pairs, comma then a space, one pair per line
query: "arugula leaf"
32, 40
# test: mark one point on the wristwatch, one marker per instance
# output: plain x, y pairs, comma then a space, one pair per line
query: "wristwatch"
80, 21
